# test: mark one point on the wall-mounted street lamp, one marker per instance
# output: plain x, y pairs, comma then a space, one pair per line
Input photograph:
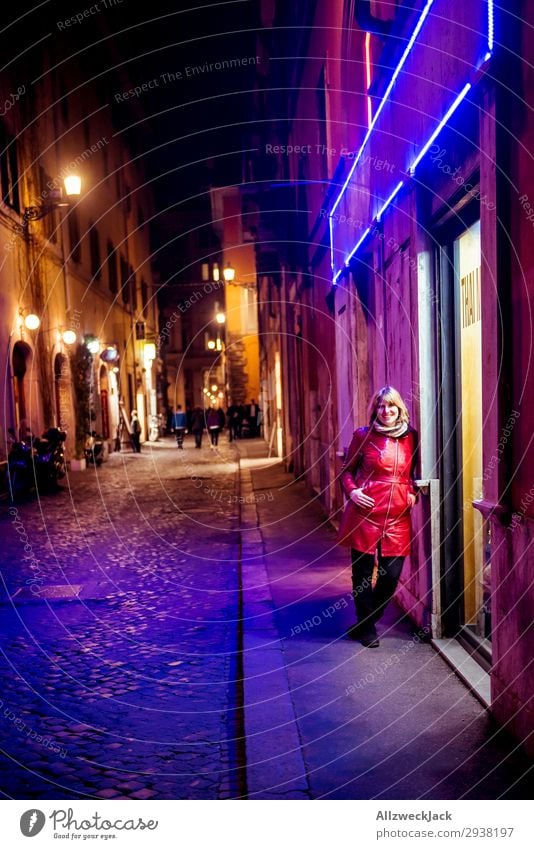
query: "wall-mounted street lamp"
220, 317
110, 354
229, 272
92, 343
69, 337
72, 190
31, 321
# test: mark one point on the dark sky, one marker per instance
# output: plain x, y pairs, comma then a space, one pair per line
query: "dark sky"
190, 118
190, 110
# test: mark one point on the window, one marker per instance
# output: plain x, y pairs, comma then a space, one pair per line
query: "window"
74, 235
133, 288
249, 310
94, 247
50, 221
113, 282
125, 286
9, 173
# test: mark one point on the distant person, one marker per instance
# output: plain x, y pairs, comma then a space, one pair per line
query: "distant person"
168, 421
214, 423
235, 415
179, 424
378, 479
135, 426
197, 425
252, 414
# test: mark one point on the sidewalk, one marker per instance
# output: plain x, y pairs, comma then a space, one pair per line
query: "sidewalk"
325, 717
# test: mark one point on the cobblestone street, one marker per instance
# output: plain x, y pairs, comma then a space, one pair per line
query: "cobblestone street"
174, 626
118, 608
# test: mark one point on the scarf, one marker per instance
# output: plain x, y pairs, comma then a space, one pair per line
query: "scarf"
396, 430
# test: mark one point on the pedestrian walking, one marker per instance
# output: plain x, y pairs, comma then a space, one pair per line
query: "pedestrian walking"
179, 425
197, 425
214, 422
378, 480
234, 414
135, 426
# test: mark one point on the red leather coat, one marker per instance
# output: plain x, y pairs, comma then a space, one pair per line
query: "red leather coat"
383, 467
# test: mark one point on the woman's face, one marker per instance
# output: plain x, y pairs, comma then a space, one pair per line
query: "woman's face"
387, 413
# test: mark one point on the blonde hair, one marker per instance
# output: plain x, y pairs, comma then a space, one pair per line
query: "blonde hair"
392, 396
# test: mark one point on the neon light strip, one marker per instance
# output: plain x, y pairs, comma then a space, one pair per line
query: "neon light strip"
439, 128
368, 59
491, 25
338, 275
390, 198
331, 226
387, 92
357, 245
368, 77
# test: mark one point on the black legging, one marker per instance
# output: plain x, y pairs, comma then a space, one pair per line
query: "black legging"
370, 603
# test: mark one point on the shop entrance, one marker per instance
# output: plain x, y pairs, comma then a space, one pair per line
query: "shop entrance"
466, 566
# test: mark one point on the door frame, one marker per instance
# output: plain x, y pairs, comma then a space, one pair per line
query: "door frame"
449, 423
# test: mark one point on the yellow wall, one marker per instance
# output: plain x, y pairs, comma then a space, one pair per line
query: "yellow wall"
471, 413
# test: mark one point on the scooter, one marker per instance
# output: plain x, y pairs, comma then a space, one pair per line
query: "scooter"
35, 464
49, 458
20, 477
94, 449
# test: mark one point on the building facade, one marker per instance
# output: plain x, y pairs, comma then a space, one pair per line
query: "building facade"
81, 269
403, 166
234, 220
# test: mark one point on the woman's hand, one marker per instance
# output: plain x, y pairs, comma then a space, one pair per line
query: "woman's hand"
412, 500
359, 498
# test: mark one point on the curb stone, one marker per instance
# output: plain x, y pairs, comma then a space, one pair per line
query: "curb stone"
275, 765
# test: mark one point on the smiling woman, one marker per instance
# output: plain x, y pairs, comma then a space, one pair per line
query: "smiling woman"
378, 480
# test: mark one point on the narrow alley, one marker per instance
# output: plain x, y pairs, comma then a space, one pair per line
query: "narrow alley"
174, 625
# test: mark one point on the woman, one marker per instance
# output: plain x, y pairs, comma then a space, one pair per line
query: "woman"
135, 426
378, 480
213, 423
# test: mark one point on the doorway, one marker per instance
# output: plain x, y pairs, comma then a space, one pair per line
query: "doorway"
465, 549
21, 361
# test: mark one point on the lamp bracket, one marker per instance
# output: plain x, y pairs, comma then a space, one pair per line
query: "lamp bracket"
35, 213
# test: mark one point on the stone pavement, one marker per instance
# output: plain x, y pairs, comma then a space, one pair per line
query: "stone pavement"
327, 718
119, 655
173, 625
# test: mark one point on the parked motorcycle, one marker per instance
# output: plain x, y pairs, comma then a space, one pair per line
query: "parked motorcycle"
35, 463
20, 477
94, 449
49, 459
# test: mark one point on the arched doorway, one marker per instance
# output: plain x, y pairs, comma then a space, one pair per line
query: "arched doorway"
22, 355
113, 402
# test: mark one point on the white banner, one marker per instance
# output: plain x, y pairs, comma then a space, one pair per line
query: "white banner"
256, 825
